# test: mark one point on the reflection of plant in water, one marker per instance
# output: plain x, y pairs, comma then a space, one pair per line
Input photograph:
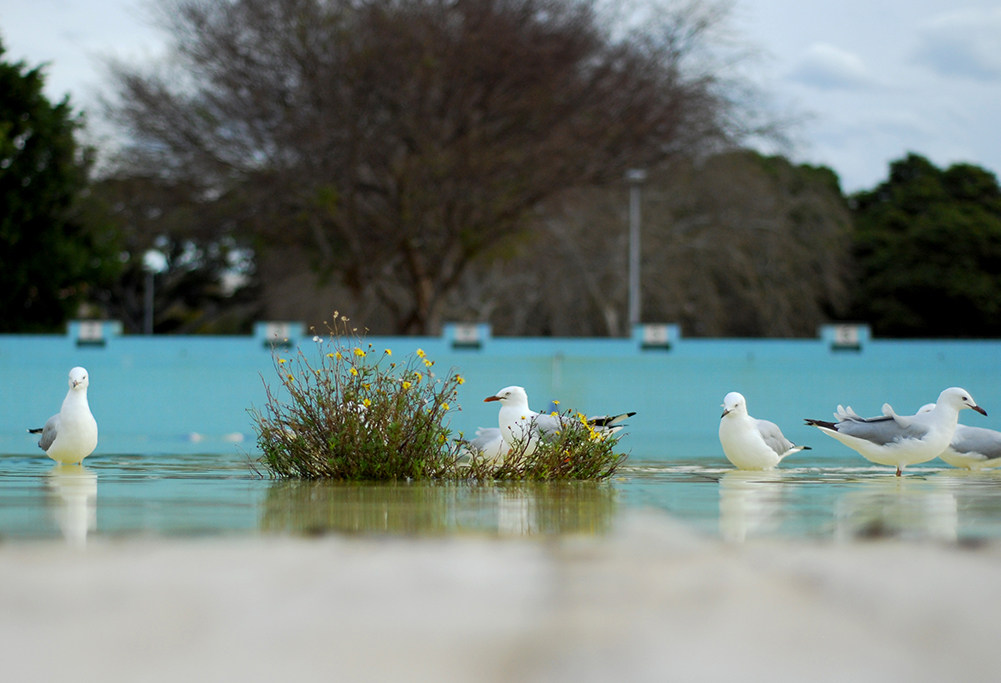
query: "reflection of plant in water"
436, 508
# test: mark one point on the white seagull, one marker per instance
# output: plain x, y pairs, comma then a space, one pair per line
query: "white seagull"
749, 443
70, 435
489, 445
518, 422
901, 440
973, 448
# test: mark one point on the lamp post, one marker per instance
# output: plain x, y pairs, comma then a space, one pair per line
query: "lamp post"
154, 262
635, 177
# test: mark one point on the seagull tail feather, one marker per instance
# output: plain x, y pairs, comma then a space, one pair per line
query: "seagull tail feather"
608, 421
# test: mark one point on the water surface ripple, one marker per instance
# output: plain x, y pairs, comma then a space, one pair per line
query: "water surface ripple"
183, 495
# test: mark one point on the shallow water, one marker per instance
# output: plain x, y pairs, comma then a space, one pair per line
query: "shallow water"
177, 495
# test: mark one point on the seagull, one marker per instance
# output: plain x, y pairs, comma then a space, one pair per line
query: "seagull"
901, 440
518, 422
489, 445
974, 448
70, 435
748, 443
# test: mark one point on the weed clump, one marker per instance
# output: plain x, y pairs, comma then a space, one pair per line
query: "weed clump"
354, 413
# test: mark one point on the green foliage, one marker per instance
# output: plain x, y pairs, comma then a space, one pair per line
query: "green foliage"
207, 283
928, 247
577, 452
50, 248
355, 414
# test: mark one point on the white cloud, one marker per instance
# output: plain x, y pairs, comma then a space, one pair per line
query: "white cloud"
965, 44
828, 67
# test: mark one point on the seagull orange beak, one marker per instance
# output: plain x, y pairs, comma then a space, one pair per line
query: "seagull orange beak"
490, 398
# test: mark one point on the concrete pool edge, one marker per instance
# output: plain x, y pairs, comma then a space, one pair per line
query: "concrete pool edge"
652, 602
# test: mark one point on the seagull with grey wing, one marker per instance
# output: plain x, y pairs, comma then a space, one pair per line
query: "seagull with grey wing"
519, 424
901, 440
749, 443
489, 445
972, 448
70, 435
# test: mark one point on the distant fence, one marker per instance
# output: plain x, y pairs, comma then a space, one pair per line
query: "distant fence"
171, 394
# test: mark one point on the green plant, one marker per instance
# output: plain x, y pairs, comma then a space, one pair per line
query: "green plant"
353, 413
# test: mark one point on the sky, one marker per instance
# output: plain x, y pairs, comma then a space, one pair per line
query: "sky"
866, 81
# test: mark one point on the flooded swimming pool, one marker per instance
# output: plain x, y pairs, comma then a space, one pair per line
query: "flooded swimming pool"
184, 495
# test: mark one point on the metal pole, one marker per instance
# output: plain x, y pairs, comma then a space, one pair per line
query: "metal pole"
148, 317
635, 178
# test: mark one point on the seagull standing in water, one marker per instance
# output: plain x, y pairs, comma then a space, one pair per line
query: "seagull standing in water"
518, 422
972, 448
70, 435
901, 440
749, 443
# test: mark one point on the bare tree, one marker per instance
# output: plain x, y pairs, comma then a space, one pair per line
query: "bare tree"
734, 244
397, 141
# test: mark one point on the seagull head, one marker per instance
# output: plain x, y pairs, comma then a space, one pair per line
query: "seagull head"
733, 402
510, 396
959, 399
78, 378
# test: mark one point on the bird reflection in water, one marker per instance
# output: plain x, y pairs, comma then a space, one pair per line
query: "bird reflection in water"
75, 501
895, 507
750, 503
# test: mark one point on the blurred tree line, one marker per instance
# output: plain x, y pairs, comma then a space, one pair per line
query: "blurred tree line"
410, 162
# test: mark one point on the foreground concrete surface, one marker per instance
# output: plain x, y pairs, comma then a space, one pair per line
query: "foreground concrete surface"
652, 602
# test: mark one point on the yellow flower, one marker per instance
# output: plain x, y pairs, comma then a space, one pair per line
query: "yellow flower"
556, 403
418, 376
281, 361
354, 372
406, 385
338, 356
366, 403
389, 352
459, 379
444, 406
291, 378
359, 352
420, 353
330, 355
427, 363
554, 414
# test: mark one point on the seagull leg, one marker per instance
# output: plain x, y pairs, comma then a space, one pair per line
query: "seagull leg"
898, 470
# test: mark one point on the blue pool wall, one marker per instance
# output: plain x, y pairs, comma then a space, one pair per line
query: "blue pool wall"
191, 394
